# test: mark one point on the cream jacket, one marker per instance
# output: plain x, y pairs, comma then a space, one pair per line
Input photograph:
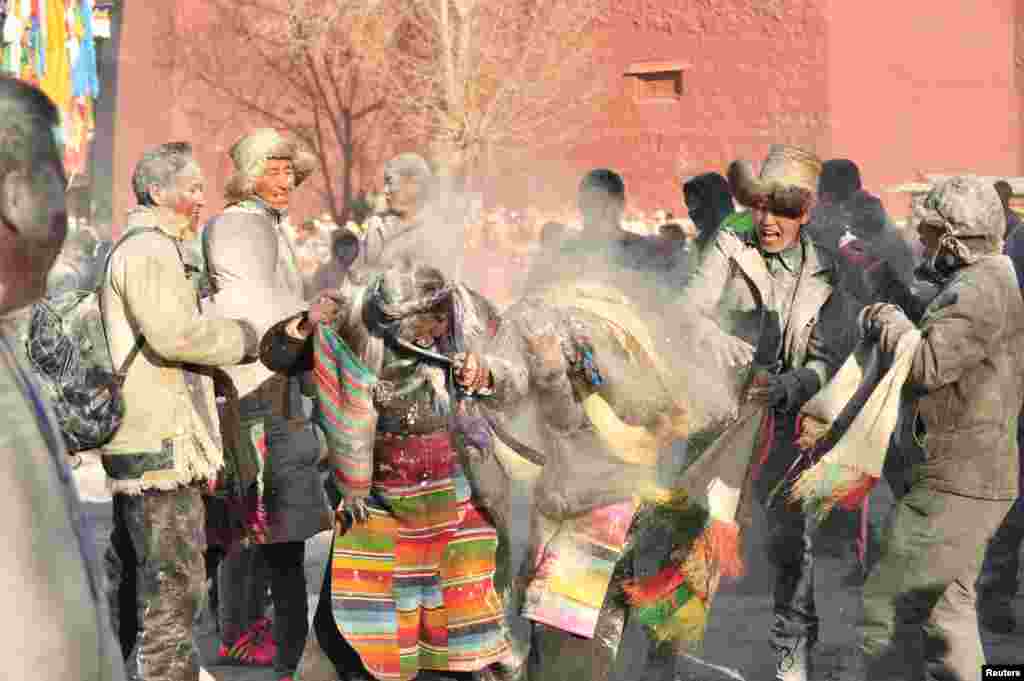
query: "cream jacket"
170, 407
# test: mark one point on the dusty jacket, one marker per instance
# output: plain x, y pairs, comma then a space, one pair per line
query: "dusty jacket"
542, 401
51, 579
726, 296
426, 239
170, 434
254, 275
968, 374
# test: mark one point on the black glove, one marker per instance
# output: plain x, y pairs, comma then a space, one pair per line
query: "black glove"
787, 391
884, 323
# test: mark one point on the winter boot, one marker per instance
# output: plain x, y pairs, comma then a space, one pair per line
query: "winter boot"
792, 659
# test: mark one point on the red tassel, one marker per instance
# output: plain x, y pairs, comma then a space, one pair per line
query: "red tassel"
862, 537
649, 590
765, 440
724, 540
855, 496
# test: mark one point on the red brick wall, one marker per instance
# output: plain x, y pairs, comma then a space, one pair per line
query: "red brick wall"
895, 87
753, 80
932, 90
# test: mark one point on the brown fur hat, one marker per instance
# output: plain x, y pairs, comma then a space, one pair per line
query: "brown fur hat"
251, 152
787, 184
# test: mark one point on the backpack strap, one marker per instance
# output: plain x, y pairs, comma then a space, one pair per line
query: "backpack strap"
141, 342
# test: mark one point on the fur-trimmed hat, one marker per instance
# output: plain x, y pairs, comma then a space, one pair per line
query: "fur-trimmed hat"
250, 153
787, 184
409, 164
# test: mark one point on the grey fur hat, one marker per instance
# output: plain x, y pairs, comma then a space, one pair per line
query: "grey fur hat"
250, 153
408, 164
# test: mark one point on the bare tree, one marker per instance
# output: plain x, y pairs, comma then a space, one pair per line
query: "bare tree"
309, 68
489, 76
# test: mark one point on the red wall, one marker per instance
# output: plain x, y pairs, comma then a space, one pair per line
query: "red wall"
897, 88
754, 80
930, 90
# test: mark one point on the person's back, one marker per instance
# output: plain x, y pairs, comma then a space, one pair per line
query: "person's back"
58, 626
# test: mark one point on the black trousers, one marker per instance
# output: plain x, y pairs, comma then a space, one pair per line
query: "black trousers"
286, 566
789, 543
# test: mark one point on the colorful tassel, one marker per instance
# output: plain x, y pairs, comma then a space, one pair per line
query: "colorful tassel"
827, 484
686, 624
765, 440
853, 496
661, 611
645, 592
723, 539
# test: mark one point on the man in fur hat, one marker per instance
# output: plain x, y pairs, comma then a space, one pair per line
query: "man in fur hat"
255, 277
769, 298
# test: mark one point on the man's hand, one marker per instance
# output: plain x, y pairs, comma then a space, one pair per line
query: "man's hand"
546, 353
885, 323
732, 352
324, 310
783, 391
767, 389
470, 373
352, 510
811, 432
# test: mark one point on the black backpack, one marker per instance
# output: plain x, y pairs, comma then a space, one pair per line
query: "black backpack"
68, 350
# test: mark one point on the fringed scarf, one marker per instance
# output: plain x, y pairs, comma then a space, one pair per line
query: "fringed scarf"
849, 424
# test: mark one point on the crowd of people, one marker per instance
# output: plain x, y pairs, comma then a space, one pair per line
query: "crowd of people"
277, 383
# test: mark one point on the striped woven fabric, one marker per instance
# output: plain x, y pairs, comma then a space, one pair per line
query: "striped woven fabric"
412, 588
573, 565
345, 410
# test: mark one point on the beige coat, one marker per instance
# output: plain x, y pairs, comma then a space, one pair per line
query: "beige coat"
170, 407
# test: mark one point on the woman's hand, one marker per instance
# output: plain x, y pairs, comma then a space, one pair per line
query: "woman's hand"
470, 373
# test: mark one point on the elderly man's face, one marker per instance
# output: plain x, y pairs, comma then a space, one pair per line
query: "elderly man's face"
36, 225
403, 193
189, 197
276, 183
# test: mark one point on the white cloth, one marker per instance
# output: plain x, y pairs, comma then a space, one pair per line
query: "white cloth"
864, 443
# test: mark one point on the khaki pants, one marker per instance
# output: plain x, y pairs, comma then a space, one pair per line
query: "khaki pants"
932, 553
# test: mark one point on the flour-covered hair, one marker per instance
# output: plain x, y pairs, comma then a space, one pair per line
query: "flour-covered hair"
159, 167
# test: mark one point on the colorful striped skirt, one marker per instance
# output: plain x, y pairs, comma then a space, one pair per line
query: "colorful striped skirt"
412, 588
